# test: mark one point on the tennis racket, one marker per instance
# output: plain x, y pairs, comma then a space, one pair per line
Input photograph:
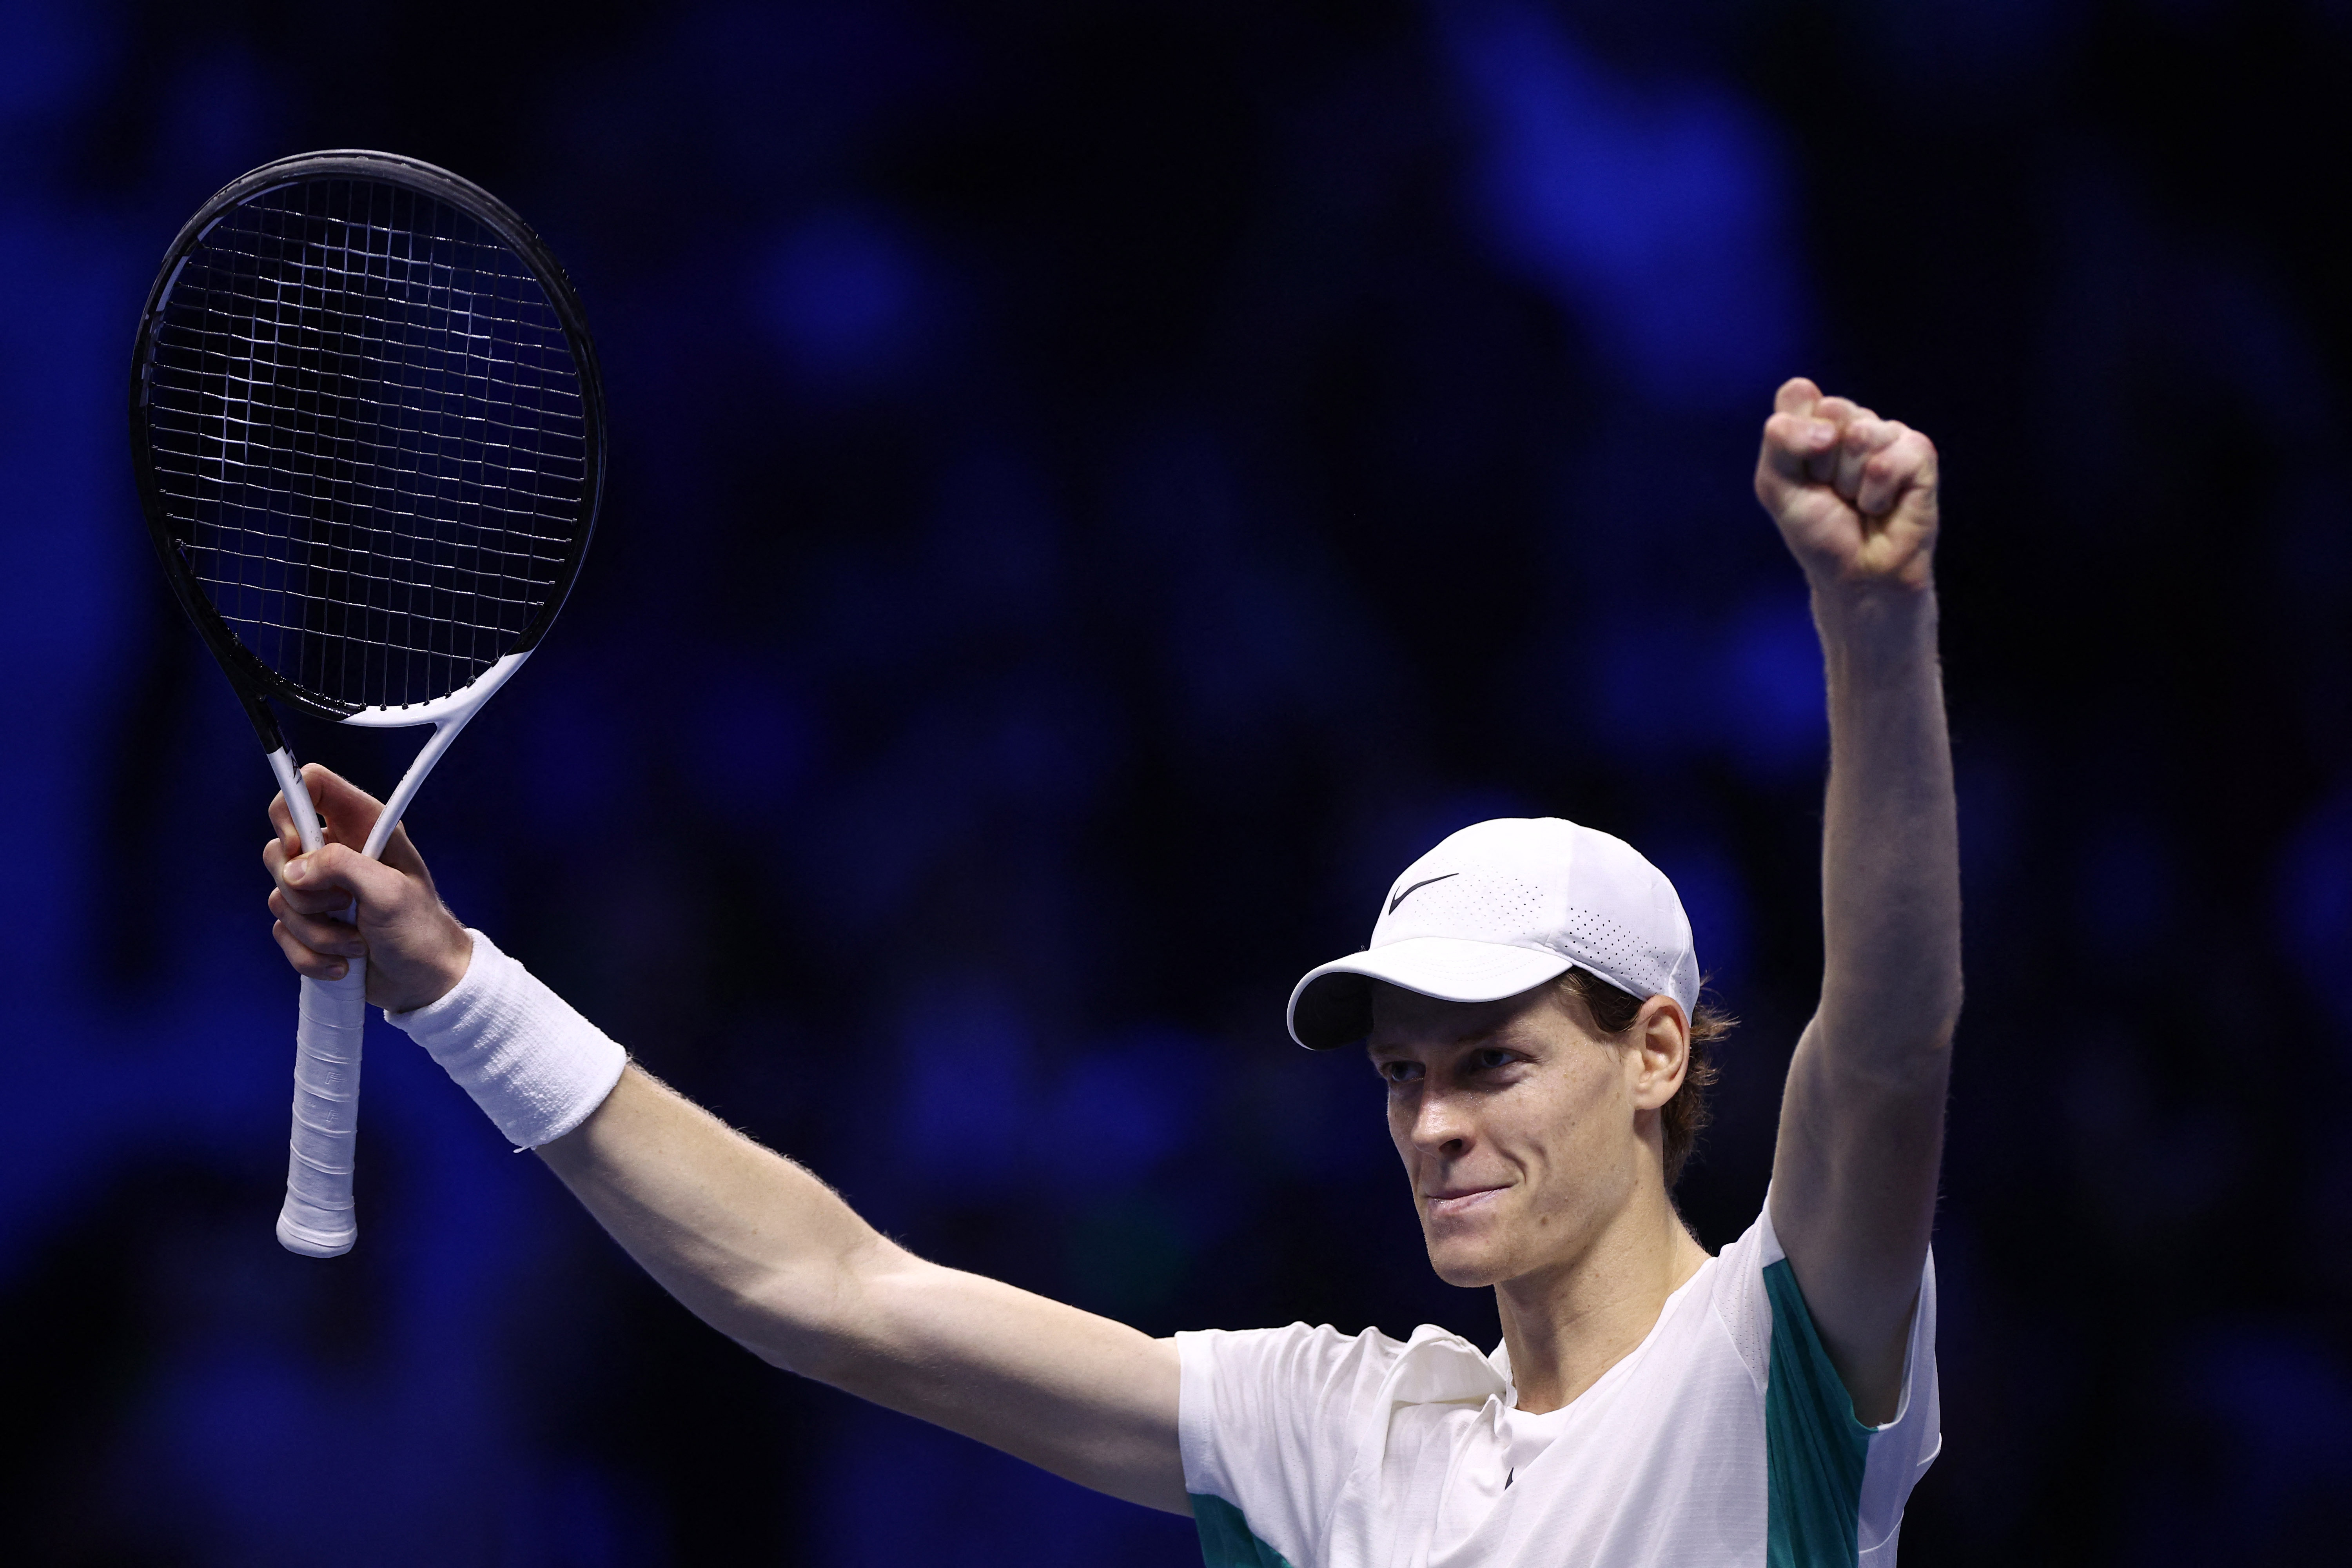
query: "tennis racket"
369, 434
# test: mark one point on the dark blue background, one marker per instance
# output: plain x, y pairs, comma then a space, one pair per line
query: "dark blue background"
1095, 489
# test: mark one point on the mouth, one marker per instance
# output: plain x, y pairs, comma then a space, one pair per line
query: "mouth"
1451, 1201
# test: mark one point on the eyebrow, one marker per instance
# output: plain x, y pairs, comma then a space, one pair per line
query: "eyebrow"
1375, 1050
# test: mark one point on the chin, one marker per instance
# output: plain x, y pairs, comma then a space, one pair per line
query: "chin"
1465, 1266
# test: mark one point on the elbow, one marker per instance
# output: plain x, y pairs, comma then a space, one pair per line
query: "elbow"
1932, 1024
1927, 1056
1922, 1023
775, 1326
764, 1314
1947, 1015
1923, 1042
817, 1322
753, 1323
1905, 1047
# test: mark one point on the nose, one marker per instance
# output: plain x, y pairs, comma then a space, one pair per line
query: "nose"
1439, 1126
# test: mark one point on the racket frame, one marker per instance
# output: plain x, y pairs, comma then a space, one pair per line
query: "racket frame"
254, 678
316, 1220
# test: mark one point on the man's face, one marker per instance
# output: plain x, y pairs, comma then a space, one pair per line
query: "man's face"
1518, 1124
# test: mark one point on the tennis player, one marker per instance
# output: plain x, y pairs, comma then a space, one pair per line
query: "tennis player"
1530, 996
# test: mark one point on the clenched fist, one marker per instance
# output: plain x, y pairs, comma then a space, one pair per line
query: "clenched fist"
1855, 494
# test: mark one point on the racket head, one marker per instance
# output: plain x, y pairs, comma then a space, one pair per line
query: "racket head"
367, 426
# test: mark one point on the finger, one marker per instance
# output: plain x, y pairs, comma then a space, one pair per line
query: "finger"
1904, 465
1797, 396
345, 810
275, 854
1790, 443
1822, 467
276, 859
320, 932
326, 901
306, 962
1791, 440
338, 867
281, 817
1863, 438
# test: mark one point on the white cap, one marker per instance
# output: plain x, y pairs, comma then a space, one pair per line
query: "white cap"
1499, 908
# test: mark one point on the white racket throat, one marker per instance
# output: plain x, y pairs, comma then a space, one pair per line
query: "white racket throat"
319, 1219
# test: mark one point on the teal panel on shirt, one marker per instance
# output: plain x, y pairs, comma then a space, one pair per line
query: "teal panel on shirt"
1815, 1448
1226, 1540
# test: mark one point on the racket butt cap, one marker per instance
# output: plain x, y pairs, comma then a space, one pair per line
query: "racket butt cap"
309, 1243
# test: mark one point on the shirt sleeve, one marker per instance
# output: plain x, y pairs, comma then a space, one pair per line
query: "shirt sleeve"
1901, 1451
1266, 1419
1836, 1487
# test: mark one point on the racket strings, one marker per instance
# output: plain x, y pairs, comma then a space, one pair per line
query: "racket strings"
370, 435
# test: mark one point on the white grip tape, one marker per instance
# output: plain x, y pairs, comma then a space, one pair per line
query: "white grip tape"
318, 1220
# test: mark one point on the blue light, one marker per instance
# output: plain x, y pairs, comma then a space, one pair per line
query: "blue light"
1715, 899
1654, 210
2314, 904
1121, 1110
50, 52
964, 1102
844, 295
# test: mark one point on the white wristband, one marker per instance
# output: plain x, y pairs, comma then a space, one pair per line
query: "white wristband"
533, 1064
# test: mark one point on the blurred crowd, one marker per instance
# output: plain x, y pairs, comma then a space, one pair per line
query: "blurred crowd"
1094, 491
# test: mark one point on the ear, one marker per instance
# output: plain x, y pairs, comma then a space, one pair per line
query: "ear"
1660, 1053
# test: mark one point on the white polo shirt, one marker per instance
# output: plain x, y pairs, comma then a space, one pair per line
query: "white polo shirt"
1724, 1438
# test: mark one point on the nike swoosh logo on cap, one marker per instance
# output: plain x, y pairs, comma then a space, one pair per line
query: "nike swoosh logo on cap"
1415, 889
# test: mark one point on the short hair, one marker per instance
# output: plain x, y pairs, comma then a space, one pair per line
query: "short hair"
1686, 1116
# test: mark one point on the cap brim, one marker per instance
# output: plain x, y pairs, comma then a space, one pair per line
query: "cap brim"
1333, 1004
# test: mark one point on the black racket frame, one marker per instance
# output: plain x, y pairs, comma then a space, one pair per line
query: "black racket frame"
254, 679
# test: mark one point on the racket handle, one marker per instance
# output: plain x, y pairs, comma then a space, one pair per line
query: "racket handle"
318, 1220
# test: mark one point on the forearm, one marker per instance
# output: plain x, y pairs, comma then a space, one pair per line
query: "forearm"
752, 1243
1890, 861
749, 1241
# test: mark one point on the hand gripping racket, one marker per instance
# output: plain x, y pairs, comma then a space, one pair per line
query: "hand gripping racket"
369, 441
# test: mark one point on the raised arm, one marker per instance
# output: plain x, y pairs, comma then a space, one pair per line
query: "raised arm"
1862, 1122
754, 1243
